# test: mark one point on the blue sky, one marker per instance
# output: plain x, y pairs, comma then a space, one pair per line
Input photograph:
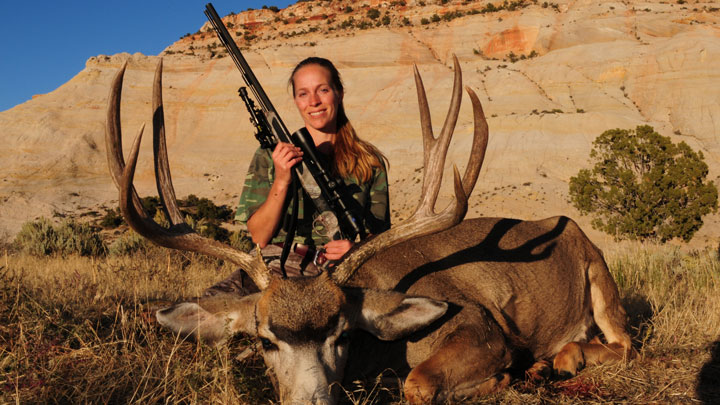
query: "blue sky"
45, 43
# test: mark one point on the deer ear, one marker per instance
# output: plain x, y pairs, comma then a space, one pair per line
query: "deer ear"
391, 315
211, 319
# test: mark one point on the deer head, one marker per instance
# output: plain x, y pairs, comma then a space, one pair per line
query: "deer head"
303, 324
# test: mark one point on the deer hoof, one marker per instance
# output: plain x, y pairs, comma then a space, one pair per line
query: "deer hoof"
539, 371
569, 360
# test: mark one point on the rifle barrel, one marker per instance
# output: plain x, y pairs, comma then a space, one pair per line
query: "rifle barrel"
237, 57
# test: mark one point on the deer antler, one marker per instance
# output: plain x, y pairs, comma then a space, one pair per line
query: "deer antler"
179, 236
424, 220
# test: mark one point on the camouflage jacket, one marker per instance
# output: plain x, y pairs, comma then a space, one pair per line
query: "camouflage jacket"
371, 202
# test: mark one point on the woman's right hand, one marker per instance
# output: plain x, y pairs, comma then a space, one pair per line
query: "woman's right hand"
266, 220
284, 157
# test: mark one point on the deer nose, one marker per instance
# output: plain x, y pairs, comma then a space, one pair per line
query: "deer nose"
317, 399
323, 401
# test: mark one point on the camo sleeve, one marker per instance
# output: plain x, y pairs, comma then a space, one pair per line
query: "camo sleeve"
377, 215
258, 181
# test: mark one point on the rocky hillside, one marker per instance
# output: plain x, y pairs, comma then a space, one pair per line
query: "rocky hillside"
551, 76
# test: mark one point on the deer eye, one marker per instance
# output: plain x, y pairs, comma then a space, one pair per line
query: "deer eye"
267, 344
343, 338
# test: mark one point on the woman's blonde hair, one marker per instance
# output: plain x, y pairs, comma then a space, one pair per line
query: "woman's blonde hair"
351, 155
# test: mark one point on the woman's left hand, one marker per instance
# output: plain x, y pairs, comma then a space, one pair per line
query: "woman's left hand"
336, 249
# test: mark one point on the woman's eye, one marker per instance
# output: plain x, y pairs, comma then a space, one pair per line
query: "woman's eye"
267, 344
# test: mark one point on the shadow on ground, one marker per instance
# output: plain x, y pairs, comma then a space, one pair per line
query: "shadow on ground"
639, 313
708, 383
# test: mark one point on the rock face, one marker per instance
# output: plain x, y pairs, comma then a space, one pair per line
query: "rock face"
551, 78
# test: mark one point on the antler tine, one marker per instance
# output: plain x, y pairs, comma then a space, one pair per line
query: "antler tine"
113, 136
162, 168
180, 236
113, 131
435, 149
425, 122
424, 221
479, 145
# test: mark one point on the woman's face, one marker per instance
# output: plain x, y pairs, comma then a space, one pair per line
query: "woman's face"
316, 99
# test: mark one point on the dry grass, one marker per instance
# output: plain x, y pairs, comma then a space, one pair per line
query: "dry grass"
78, 330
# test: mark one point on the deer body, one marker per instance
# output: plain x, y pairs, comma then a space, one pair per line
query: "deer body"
513, 287
453, 304
505, 266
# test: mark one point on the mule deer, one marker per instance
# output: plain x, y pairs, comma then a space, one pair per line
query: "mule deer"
454, 305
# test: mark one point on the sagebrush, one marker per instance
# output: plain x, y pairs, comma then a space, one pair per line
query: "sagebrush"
41, 238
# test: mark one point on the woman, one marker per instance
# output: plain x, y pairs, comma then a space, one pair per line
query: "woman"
318, 94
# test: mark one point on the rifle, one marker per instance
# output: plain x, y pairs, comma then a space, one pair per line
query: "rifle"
317, 182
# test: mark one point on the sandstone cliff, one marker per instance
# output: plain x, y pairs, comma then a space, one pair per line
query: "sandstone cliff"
551, 77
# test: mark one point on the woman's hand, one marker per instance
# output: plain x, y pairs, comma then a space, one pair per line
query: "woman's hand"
336, 249
266, 220
284, 157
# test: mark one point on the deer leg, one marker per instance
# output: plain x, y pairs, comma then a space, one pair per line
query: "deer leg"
541, 370
608, 312
463, 367
576, 355
609, 315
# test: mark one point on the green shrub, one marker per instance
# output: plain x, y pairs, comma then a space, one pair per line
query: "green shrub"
41, 238
213, 231
151, 204
373, 13
36, 238
112, 219
349, 23
161, 219
643, 186
241, 240
363, 25
489, 8
205, 208
76, 238
129, 243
